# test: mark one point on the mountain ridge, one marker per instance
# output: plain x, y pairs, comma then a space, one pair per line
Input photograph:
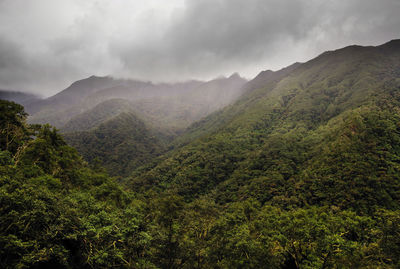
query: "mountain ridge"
300, 171
275, 117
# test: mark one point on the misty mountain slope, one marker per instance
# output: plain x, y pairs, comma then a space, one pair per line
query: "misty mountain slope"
78, 91
170, 107
176, 106
323, 86
164, 116
137, 90
175, 113
269, 76
265, 143
120, 144
60, 108
216, 120
216, 93
156, 103
18, 97
95, 116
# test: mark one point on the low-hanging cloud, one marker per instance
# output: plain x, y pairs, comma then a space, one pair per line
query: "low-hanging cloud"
47, 44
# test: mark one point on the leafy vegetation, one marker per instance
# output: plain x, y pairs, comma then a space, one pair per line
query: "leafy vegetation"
303, 172
120, 144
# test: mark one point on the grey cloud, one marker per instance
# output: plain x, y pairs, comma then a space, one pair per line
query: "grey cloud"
169, 41
23, 70
209, 37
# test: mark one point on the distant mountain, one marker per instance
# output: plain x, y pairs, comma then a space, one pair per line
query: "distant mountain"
324, 132
58, 109
75, 93
84, 111
171, 107
18, 97
175, 112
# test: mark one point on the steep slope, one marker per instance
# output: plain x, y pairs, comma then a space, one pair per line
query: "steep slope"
221, 117
120, 144
269, 76
272, 143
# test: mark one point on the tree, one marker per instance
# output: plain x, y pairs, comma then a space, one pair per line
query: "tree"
12, 126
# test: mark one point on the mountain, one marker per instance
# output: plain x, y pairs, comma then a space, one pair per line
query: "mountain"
301, 171
120, 144
19, 97
174, 113
75, 93
168, 106
164, 110
95, 116
83, 110
313, 134
58, 109
268, 76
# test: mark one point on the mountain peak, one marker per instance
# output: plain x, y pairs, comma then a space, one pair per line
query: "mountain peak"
235, 75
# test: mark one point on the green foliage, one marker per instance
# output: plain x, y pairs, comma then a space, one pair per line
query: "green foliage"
120, 144
13, 131
324, 136
303, 172
55, 212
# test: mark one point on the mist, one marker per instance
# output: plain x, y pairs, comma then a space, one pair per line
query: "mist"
45, 45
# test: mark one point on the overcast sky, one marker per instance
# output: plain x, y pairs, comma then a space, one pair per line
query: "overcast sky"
47, 44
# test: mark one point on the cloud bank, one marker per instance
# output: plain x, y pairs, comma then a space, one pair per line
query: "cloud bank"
45, 44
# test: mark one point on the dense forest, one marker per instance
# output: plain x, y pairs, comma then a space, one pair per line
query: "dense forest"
302, 170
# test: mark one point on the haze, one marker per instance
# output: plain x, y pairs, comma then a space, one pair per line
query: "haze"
45, 44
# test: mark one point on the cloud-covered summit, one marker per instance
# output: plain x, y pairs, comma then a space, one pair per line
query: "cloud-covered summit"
46, 44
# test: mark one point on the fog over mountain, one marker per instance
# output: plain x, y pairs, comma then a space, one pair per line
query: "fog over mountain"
45, 45
200, 134
165, 105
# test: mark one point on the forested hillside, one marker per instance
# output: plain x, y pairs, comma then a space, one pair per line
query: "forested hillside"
83, 110
119, 144
279, 132
301, 171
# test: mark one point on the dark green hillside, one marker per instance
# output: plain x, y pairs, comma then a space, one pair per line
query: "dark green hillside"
268, 138
303, 171
120, 144
53, 208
